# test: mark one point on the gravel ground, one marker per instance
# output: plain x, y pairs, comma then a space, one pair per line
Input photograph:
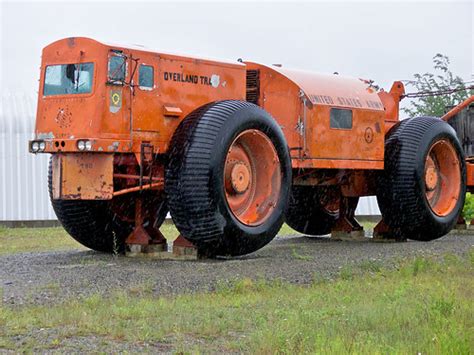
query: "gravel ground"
48, 277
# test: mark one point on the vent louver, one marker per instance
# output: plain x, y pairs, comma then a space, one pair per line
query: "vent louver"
253, 86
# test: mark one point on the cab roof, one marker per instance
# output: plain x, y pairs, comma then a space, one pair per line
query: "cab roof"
140, 48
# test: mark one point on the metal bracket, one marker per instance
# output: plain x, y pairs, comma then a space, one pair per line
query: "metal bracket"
304, 100
146, 156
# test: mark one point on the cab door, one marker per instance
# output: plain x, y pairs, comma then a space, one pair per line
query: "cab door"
118, 93
145, 110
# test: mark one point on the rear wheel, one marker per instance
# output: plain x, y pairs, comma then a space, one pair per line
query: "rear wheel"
228, 178
422, 189
104, 225
313, 210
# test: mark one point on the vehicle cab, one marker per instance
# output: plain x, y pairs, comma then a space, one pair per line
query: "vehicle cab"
105, 98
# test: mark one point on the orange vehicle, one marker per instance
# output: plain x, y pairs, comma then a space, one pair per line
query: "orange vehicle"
232, 150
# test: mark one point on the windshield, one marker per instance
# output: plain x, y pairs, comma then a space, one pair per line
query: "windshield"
67, 79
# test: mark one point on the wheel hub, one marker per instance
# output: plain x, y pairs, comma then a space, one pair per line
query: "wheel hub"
431, 174
240, 177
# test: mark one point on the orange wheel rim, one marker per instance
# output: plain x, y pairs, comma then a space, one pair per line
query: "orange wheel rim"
442, 178
252, 177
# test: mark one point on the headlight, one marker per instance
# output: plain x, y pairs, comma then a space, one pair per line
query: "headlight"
84, 145
42, 146
81, 145
35, 146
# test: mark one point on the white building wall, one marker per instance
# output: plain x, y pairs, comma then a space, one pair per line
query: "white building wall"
367, 206
23, 176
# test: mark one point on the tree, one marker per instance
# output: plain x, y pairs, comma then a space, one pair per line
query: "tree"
442, 80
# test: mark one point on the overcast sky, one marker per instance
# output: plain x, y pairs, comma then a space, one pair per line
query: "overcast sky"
383, 41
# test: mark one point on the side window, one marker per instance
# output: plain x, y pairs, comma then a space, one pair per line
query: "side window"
145, 76
117, 68
341, 118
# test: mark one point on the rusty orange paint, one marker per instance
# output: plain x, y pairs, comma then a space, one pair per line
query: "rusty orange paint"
155, 113
470, 174
82, 176
304, 100
391, 102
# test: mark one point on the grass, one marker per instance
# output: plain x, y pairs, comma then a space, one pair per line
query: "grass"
299, 256
422, 306
20, 240
287, 230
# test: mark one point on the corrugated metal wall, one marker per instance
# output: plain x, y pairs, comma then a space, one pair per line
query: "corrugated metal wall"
23, 176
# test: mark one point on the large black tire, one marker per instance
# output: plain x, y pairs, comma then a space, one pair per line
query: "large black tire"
94, 224
402, 195
306, 214
194, 180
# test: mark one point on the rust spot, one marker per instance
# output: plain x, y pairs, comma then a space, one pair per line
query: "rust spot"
85, 175
64, 117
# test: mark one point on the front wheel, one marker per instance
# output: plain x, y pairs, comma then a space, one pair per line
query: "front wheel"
422, 189
104, 225
228, 178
